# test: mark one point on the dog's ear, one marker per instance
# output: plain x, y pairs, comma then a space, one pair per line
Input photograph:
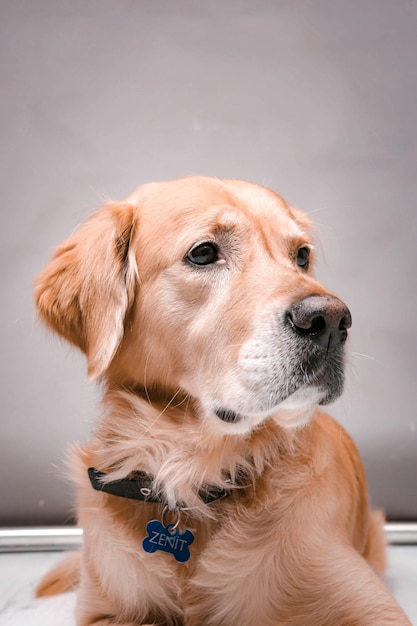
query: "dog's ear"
87, 288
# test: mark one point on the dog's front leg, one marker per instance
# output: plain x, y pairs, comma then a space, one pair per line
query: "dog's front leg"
126, 605
339, 588
110, 622
318, 582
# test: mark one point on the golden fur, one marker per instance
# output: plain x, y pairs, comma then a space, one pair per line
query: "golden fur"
295, 542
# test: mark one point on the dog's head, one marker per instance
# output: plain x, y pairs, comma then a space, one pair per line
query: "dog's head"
204, 288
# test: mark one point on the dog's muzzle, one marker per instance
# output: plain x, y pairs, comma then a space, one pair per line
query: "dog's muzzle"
304, 350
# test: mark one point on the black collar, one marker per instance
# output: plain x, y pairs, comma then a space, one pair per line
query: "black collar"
139, 487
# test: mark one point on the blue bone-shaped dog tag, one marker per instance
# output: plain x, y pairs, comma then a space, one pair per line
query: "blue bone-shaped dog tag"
175, 543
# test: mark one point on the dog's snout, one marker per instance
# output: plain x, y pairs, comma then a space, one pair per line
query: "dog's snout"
324, 319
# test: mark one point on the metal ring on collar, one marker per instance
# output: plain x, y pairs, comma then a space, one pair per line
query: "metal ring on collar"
172, 527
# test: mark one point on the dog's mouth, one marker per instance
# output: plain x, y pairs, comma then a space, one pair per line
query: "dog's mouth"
301, 401
227, 416
315, 377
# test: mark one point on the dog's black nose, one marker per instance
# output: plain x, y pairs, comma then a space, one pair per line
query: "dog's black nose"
324, 319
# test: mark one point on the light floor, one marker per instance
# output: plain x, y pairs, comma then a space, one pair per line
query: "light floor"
20, 572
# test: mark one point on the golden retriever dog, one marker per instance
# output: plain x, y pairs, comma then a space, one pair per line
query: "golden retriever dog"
214, 491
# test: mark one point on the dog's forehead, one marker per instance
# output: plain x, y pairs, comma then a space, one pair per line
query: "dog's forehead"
196, 202
174, 215
266, 208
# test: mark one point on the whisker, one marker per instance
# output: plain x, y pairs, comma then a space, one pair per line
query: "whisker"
359, 355
175, 406
166, 407
145, 386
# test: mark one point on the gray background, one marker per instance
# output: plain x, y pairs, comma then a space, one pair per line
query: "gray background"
314, 99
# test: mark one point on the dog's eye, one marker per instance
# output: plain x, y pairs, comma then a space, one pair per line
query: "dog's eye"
204, 253
303, 256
